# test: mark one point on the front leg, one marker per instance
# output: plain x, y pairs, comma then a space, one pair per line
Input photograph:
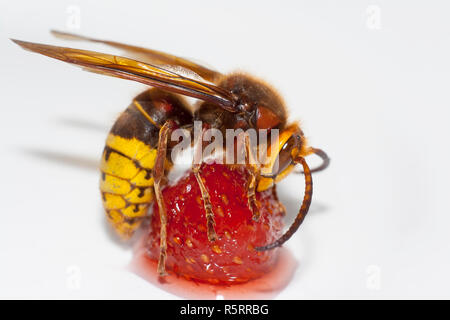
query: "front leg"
196, 168
158, 174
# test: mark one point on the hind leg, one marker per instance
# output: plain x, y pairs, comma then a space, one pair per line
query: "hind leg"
158, 174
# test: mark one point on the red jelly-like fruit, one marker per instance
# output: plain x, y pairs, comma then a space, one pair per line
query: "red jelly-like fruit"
232, 258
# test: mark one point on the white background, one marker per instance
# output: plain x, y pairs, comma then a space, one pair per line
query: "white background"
369, 81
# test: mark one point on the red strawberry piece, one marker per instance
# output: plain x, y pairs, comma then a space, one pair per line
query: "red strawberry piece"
232, 258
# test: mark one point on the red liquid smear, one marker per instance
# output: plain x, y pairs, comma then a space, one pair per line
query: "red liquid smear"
265, 287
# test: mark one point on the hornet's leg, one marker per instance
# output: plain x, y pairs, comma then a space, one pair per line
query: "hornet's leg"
196, 168
253, 169
158, 174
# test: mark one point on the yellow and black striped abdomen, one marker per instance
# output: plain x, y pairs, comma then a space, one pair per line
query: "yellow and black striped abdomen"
126, 182
129, 156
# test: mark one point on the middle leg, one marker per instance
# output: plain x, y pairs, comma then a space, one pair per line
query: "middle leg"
196, 169
253, 170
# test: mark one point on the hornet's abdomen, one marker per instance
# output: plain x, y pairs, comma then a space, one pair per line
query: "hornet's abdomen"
126, 181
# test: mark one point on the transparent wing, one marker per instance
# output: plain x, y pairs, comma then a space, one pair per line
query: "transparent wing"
151, 56
130, 69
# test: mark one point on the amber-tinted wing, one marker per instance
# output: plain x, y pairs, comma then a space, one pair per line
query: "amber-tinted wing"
151, 56
135, 70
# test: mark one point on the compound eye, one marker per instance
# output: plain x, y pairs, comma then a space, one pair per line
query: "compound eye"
266, 118
285, 156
